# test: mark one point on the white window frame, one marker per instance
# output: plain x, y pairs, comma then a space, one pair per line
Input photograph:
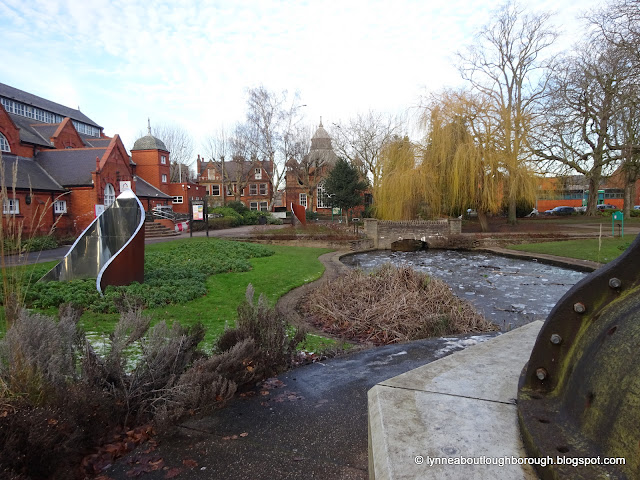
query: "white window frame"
60, 206
178, 199
109, 195
216, 187
257, 174
164, 178
163, 159
253, 189
263, 189
303, 199
4, 144
11, 206
253, 206
264, 206
211, 174
322, 196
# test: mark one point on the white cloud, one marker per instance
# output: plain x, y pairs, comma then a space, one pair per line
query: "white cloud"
192, 61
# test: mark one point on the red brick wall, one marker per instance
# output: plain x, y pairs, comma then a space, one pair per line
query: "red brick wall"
38, 217
149, 168
12, 134
66, 136
182, 190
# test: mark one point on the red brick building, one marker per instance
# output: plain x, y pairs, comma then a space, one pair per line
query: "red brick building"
65, 163
241, 180
305, 179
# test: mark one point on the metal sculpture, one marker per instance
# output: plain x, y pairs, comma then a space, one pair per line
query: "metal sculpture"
111, 249
579, 394
299, 212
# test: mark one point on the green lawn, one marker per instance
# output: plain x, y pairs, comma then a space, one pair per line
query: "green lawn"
584, 249
273, 276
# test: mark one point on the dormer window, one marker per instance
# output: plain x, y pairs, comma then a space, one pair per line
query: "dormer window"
4, 144
258, 174
163, 159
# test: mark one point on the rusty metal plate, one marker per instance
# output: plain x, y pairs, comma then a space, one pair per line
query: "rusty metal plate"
579, 394
111, 248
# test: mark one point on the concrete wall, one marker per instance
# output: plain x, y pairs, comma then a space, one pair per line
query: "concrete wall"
435, 233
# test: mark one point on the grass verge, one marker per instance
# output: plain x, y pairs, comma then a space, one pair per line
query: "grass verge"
584, 249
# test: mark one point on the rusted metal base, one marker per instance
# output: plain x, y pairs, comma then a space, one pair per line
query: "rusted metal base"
299, 212
579, 395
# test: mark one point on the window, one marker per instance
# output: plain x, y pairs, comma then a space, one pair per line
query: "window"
303, 200
253, 189
163, 159
4, 144
323, 199
253, 206
257, 174
264, 206
60, 206
177, 199
215, 190
263, 189
109, 195
164, 178
211, 174
11, 206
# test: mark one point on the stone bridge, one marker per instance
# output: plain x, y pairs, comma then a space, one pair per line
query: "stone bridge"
434, 233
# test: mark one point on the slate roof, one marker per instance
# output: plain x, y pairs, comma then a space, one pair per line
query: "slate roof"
90, 141
231, 168
70, 167
149, 142
321, 139
29, 174
28, 134
34, 100
146, 190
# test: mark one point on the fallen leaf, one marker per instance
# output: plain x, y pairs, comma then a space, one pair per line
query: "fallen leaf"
173, 472
264, 392
188, 462
244, 434
52, 421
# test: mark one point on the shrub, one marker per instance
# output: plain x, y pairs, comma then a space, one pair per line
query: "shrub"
391, 305
264, 326
36, 244
239, 207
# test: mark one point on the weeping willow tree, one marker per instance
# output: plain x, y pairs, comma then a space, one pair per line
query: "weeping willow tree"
397, 194
464, 163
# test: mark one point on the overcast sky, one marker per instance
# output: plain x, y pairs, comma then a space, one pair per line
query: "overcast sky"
191, 62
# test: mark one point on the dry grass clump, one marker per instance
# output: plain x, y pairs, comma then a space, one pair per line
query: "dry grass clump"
391, 305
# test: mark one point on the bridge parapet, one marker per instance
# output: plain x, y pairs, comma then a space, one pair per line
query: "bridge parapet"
435, 233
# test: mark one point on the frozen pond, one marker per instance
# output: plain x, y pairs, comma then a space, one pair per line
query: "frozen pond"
506, 290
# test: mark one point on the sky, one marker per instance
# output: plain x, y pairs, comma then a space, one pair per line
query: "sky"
191, 62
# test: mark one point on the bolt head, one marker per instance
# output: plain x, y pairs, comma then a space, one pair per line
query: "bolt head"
615, 282
541, 373
579, 307
556, 339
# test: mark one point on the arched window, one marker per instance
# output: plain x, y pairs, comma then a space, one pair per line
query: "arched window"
109, 195
4, 144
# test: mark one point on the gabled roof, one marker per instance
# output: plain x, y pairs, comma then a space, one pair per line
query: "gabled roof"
30, 175
90, 141
231, 168
34, 100
146, 190
28, 134
70, 167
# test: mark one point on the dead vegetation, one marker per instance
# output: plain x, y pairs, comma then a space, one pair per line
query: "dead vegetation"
391, 305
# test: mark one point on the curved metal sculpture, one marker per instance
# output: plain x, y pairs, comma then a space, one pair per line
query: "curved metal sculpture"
299, 212
111, 249
579, 395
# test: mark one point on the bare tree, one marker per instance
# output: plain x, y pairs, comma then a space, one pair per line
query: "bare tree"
507, 65
180, 144
362, 138
271, 129
618, 23
587, 92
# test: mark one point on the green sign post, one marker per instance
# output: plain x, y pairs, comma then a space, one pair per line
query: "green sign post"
617, 216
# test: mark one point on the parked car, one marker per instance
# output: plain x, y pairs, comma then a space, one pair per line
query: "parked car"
606, 206
582, 209
560, 211
636, 207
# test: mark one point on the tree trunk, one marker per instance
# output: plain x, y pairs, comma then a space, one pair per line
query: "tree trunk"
484, 223
512, 220
592, 201
629, 195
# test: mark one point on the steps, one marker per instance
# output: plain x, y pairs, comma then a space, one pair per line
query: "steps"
155, 229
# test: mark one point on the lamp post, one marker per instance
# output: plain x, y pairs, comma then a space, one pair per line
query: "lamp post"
329, 195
